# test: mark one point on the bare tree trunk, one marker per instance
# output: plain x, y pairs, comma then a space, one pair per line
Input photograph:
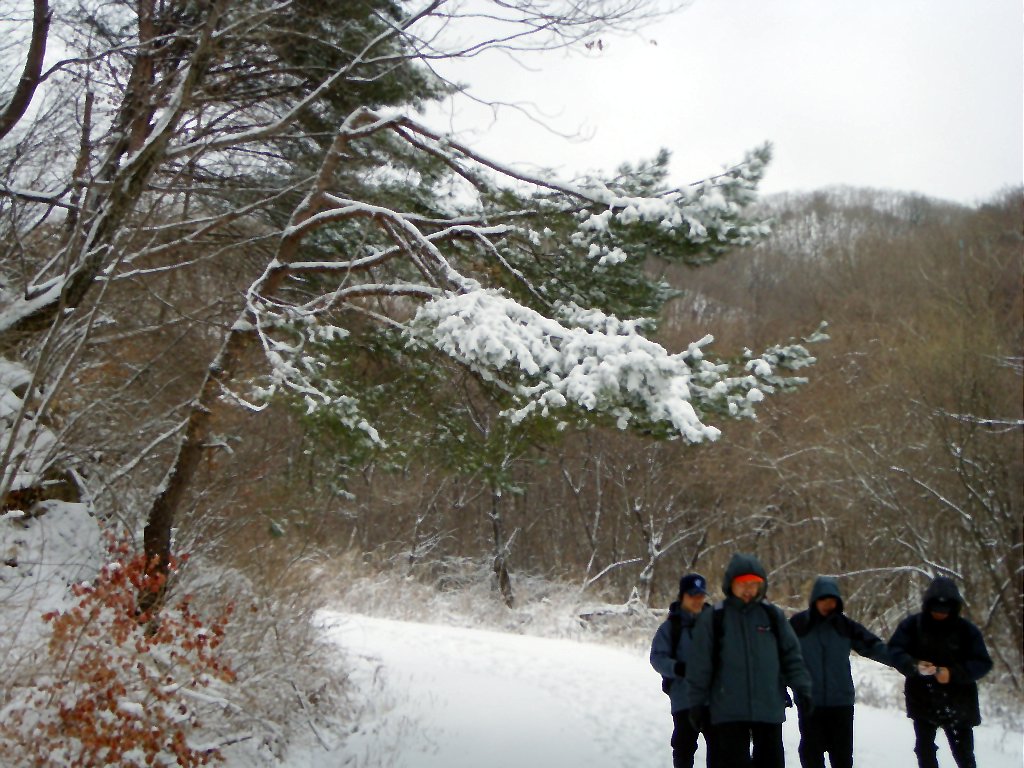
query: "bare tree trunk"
165, 508
164, 511
141, 79
32, 73
501, 549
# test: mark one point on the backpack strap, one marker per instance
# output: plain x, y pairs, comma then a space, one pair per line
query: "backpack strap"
675, 623
775, 615
717, 622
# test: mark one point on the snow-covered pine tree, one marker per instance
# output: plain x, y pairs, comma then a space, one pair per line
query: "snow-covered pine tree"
282, 143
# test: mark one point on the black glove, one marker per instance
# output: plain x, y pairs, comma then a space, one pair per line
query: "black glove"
700, 718
804, 704
680, 669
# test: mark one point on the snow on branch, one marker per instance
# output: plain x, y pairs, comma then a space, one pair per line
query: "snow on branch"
709, 213
589, 360
574, 356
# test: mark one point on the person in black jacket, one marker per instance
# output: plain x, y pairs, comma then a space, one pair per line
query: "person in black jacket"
942, 655
827, 635
669, 652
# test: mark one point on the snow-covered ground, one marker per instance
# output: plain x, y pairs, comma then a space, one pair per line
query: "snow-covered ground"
451, 697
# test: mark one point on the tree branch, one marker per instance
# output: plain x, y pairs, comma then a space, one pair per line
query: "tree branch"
31, 75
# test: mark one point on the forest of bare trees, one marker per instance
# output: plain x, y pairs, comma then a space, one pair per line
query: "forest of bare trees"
901, 459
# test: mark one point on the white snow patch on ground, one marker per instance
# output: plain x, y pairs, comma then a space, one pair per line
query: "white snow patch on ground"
453, 697
40, 556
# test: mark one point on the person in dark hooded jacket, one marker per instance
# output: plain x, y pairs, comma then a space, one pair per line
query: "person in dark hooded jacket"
670, 650
827, 635
739, 667
942, 655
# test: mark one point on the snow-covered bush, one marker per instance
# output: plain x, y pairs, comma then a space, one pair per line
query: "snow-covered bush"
89, 678
123, 687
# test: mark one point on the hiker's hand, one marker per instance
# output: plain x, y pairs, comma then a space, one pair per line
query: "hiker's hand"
804, 704
925, 668
680, 669
942, 675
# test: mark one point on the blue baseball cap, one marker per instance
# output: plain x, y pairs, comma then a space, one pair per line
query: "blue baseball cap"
693, 584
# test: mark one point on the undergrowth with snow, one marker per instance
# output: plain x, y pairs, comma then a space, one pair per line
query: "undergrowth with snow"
234, 667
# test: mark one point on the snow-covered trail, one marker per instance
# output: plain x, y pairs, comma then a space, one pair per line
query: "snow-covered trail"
466, 698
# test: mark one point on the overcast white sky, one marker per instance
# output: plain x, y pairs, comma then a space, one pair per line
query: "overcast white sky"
916, 95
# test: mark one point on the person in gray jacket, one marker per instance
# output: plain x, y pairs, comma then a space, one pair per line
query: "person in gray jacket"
744, 655
670, 650
827, 635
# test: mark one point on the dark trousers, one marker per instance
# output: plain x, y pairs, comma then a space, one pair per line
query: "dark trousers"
961, 744
828, 729
684, 741
733, 740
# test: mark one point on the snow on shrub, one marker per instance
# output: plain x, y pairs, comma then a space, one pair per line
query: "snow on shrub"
123, 687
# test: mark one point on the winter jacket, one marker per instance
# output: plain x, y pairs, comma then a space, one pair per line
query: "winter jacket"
748, 683
662, 658
953, 642
826, 642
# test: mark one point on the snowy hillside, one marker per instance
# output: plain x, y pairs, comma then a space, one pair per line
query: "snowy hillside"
452, 697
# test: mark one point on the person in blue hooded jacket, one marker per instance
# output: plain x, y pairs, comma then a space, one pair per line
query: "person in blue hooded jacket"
942, 655
670, 650
739, 667
827, 635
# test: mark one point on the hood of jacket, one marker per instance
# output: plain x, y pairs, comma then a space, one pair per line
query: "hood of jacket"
825, 586
942, 588
742, 563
